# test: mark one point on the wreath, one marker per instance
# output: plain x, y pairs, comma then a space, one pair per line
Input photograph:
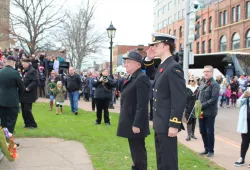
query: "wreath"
198, 112
53, 86
7, 145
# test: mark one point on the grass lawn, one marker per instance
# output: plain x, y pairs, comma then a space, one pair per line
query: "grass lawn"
106, 149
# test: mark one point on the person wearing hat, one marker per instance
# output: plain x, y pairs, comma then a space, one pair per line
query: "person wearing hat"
133, 121
169, 97
30, 80
11, 90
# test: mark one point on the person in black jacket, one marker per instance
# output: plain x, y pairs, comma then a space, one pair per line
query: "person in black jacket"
169, 96
133, 122
192, 91
208, 95
11, 90
30, 80
73, 85
103, 94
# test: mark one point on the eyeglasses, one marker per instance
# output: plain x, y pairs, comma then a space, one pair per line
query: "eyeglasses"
191, 80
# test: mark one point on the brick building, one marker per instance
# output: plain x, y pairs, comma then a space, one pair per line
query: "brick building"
224, 26
4, 22
120, 50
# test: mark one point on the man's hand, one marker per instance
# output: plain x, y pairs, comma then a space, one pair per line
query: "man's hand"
101, 79
150, 54
79, 91
195, 106
172, 132
135, 129
27, 89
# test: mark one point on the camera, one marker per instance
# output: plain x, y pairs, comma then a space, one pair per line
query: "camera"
196, 4
105, 79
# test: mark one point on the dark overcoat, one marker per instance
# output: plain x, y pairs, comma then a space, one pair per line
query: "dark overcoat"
30, 81
169, 95
11, 87
134, 106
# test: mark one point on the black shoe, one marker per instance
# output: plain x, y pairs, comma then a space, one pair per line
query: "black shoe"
194, 137
210, 154
96, 123
107, 124
17, 144
249, 166
111, 107
240, 162
76, 113
203, 153
188, 138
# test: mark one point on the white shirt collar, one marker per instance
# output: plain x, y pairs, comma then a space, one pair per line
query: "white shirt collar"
165, 59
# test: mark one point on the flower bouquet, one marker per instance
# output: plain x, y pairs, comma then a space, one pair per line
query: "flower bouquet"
7, 145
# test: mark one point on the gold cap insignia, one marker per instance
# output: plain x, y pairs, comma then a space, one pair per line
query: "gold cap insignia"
153, 38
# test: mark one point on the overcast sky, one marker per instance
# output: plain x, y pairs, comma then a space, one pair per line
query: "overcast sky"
133, 19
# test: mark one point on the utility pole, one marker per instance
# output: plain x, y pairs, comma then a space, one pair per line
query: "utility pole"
186, 44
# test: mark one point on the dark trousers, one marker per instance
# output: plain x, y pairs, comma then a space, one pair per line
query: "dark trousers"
102, 104
138, 153
166, 152
93, 103
28, 118
207, 132
8, 117
233, 98
86, 96
42, 91
151, 109
245, 142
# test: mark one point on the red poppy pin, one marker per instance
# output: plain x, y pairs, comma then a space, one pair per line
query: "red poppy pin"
161, 70
208, 83
125, 81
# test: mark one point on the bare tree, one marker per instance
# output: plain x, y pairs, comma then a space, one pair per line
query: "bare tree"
79, 36
32, 22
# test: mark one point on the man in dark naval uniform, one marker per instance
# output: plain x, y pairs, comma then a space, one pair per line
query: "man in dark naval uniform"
30, 80
11, 89
133, 123
169, 96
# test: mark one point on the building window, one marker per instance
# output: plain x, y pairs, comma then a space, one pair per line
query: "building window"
204, 27
210, 46
233, 14
169, 32
225, 18
183, 11
165, 23
248, 39
174, 32
238, 13
198, 48
203, 46
221, 19
210, 24
165, 9
180, 31
248, 9
179, 15
198, 30
170, 5
175, 17
170, 20
159, 12
235, 41
223, 43
180, 46
160, 26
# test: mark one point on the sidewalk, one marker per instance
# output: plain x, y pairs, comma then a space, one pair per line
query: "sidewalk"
49, 154
226, 151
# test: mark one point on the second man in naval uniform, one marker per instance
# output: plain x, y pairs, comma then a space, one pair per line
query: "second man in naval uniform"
133, 122
169, 95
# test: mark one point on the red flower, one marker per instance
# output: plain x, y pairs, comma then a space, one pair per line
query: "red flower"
208, 83
125, 81
161, 70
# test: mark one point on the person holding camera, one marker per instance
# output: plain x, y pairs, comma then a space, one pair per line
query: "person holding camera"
103, 93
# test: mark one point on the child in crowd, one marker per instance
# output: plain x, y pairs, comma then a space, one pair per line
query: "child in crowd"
228, 95
59, 93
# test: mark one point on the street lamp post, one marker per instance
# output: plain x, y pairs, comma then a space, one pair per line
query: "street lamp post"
111, 34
